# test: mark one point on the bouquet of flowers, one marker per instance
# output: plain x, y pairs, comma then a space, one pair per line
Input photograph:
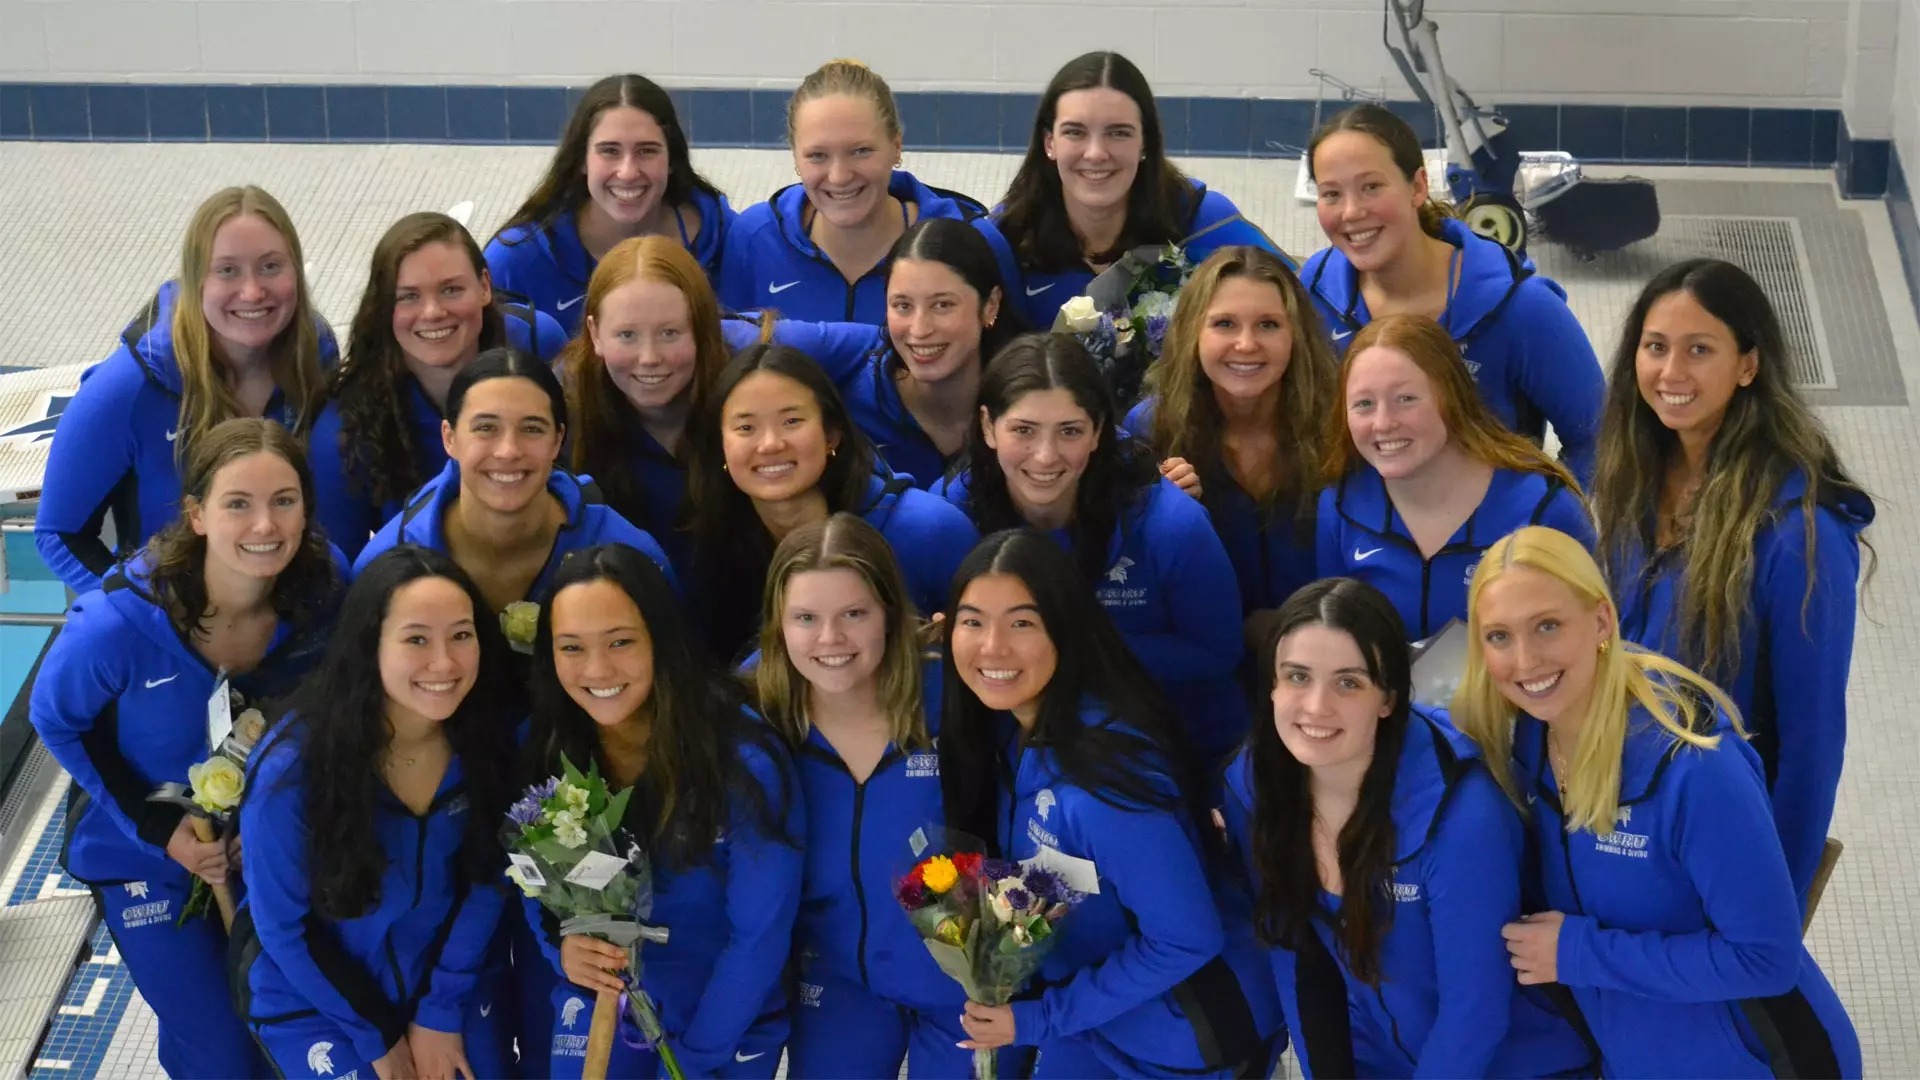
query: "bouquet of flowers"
520, 621
1123, 316
988, 923
214, 788
566, 849
1439, 663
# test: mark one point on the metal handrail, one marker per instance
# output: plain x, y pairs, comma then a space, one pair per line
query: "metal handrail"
32, 618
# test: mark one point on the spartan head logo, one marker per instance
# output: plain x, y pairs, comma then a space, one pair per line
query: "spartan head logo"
1625, 816
1043, 803
137, 890
571, 1011
320, 1058
1118, 575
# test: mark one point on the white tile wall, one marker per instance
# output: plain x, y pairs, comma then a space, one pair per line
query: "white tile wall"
1778, 52
1906, 91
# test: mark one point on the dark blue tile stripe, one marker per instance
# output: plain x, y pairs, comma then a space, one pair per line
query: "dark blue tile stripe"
534, 115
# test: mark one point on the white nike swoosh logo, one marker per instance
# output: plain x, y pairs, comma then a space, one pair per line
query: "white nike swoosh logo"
771, 289
738, 1056
1363, 556
565, 304
151, 683
1342, 335
172, 435
1041, 289
485, 1010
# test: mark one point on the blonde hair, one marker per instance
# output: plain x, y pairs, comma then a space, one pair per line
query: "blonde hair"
1678, 699
1470, 424
1187, 422
205, 397
842, 542
848, 78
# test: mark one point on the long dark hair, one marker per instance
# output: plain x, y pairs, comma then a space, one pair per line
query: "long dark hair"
376, 442
337, 721
1135, 761
1289, 891
1160, 205
1767, 435
959, 247
735, 547
177, 556
694, 774
1384, 126
1118, 474
563, 187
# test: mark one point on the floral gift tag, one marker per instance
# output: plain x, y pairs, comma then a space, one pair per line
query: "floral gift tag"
527, 870
596, 869
219, 714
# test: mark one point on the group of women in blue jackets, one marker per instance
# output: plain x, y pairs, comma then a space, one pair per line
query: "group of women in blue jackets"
829, 550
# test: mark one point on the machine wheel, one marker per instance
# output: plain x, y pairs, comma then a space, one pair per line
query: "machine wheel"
1498, 218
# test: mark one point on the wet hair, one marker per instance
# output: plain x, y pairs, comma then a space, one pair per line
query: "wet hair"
1133, 759
177, 556
1283, 811
1767, 435
959, 247
1160, 205
337, 721
1470, 424
847, 78
607, 430
563, 188
842, 542
1385, 127
376, 441
695, 778
1118, 475
506, 364
294, 360
1187, 421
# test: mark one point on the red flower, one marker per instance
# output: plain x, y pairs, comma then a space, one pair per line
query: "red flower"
912, 891
968, 863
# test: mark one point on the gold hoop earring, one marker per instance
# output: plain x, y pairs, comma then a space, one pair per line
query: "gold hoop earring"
1604, 646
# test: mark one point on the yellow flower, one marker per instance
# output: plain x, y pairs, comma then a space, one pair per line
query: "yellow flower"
513, 874
939, 874
248, 727
520, 621
217, 784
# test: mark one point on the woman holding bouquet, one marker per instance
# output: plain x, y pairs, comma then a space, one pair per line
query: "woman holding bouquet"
1057, 746
1396, 251
1733, 530
1048, 454
1425, 478
1673, 920
428, 311
619, 684
842, 676
776, 450
501, 507
373, 859
1096, 182
238, 589
622, 170
1384, 862
1236, 411
817, 249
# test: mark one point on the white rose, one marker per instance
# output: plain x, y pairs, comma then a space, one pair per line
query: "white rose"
1080, 315
570, 834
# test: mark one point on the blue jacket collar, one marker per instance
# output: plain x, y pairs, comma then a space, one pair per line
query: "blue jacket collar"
1361, 498
1489, 276
421, 522
790, 205
1645, 755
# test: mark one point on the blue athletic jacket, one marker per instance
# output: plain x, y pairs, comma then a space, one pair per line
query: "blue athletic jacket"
416, 957
1527, 353
771, 262
1682, 934
1272, 551
121, 703
730, 922
1794, 654
1360, 535
344, 508
588, 523
550, 267
114, 449
1447, 1004
850, 926
1042, 292
929, 535
1139, 971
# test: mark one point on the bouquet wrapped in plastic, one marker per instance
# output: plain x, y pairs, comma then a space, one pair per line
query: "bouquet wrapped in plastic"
1439, 663
1123, 316
214, 787
566, 849
988, 923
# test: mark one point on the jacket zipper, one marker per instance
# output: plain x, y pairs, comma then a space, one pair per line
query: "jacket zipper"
859, 890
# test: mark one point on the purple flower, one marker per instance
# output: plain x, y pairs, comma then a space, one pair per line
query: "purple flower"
541, 792
995, 869
1046, 885
1156, 332
525, 812
1018, 899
